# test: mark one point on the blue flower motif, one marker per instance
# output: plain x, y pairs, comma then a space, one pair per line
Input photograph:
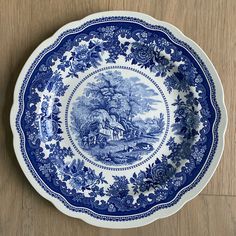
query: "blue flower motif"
187, 120
64, 63
177, 81
191, 99
198, 154
160, 173
176, 55
161, 194
81, 177
107, 32
47, 170
33, 136
139, 183
180, 112
119, 188
198, 79
171, 143
127, 202
144, 186
43, 68
96, 191
111, 208
82, 53
143, 36
162, 66
77, 182
39, 154
192, 120
115, 48
44, 107
162, 43
142, 200
84, 57
178, 180
90, 177
142, 53
189, 71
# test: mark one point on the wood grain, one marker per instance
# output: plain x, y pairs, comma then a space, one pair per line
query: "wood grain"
24, 24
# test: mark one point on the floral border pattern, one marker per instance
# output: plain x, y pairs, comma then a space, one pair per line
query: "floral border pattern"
157, 170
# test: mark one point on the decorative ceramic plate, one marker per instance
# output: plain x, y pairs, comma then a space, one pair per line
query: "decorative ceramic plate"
118, 119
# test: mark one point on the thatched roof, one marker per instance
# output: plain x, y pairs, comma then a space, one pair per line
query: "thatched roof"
101, 115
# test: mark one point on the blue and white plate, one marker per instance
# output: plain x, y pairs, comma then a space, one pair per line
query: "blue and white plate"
118, 119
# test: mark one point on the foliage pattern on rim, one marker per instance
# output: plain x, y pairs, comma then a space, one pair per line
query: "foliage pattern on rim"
162, 179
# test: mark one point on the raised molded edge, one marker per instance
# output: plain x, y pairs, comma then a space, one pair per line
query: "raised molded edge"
188, 195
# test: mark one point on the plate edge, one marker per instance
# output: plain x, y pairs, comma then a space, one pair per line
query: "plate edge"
221, 129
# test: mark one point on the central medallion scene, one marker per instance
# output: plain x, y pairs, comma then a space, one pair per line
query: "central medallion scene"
118, 118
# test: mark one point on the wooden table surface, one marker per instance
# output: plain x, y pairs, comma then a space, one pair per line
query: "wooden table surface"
24, 24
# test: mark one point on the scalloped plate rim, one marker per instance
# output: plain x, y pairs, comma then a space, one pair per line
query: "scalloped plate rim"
187, 196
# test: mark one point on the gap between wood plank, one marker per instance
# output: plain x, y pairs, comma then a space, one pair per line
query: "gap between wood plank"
216, 195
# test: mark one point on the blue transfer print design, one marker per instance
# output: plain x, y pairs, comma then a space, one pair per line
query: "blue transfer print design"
161, 110
105, 119
194, 134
